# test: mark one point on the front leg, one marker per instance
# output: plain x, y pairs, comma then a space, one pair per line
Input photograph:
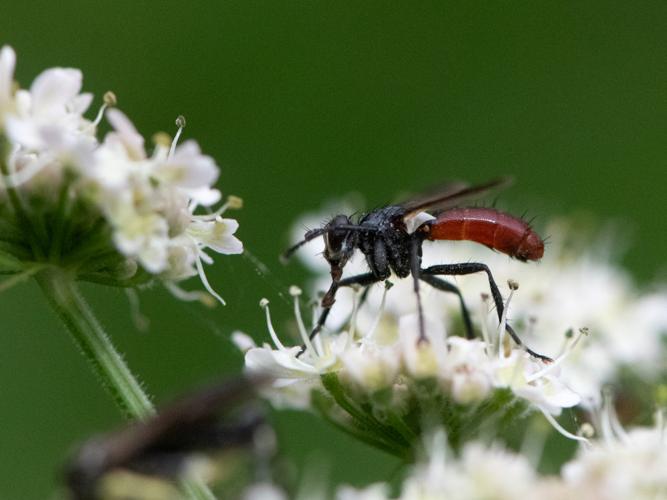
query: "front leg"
477, 267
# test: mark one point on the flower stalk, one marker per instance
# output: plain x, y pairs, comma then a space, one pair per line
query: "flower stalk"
93, 342
111, 370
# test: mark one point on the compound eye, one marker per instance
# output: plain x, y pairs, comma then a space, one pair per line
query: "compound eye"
338, 246
333, 245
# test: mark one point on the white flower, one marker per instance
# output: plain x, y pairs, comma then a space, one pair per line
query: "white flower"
53, 102
294, 373
216, 234
369, 366
49, 117
532, 380
468, 370
620, 464
141, 235
190, 171
422, 359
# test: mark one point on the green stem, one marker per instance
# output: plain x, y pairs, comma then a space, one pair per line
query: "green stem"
61, 221
64, 297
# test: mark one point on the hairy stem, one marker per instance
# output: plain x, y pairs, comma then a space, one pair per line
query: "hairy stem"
63, 295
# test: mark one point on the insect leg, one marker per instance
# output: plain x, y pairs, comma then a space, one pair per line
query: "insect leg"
445, 286
415, 268
477, 267
364, 280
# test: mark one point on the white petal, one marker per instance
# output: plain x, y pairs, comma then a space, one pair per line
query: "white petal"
80, 104
278, 364
242, 341
131, 139
204, 196
188, 168
53, 89
422, 359
23, 132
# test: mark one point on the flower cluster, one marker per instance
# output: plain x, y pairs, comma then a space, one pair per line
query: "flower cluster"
385, 384
104, 209
617, 466
480, 472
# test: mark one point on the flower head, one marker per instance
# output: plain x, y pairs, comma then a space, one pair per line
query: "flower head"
389, 379
104, 209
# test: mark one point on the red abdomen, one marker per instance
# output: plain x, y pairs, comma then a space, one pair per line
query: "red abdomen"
489, 227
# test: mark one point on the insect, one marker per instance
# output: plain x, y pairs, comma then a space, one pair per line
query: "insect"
222, 417
383, 236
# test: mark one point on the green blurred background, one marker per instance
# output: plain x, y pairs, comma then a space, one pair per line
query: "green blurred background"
305, 101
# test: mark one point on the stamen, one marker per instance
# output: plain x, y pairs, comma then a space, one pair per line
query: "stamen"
318, 338
586, 430
518, 367
605, 423
609, 419
202, 277
108, 101
569, 333
264, 304
544, 371
484, 315
369, 336
355, 310
513, 285
295, 292
660, 423
232, 202
560, 429
180, 123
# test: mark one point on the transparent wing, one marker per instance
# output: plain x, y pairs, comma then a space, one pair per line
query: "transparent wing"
451, 195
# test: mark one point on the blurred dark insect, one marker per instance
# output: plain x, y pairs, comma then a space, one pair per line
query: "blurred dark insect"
144, 459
